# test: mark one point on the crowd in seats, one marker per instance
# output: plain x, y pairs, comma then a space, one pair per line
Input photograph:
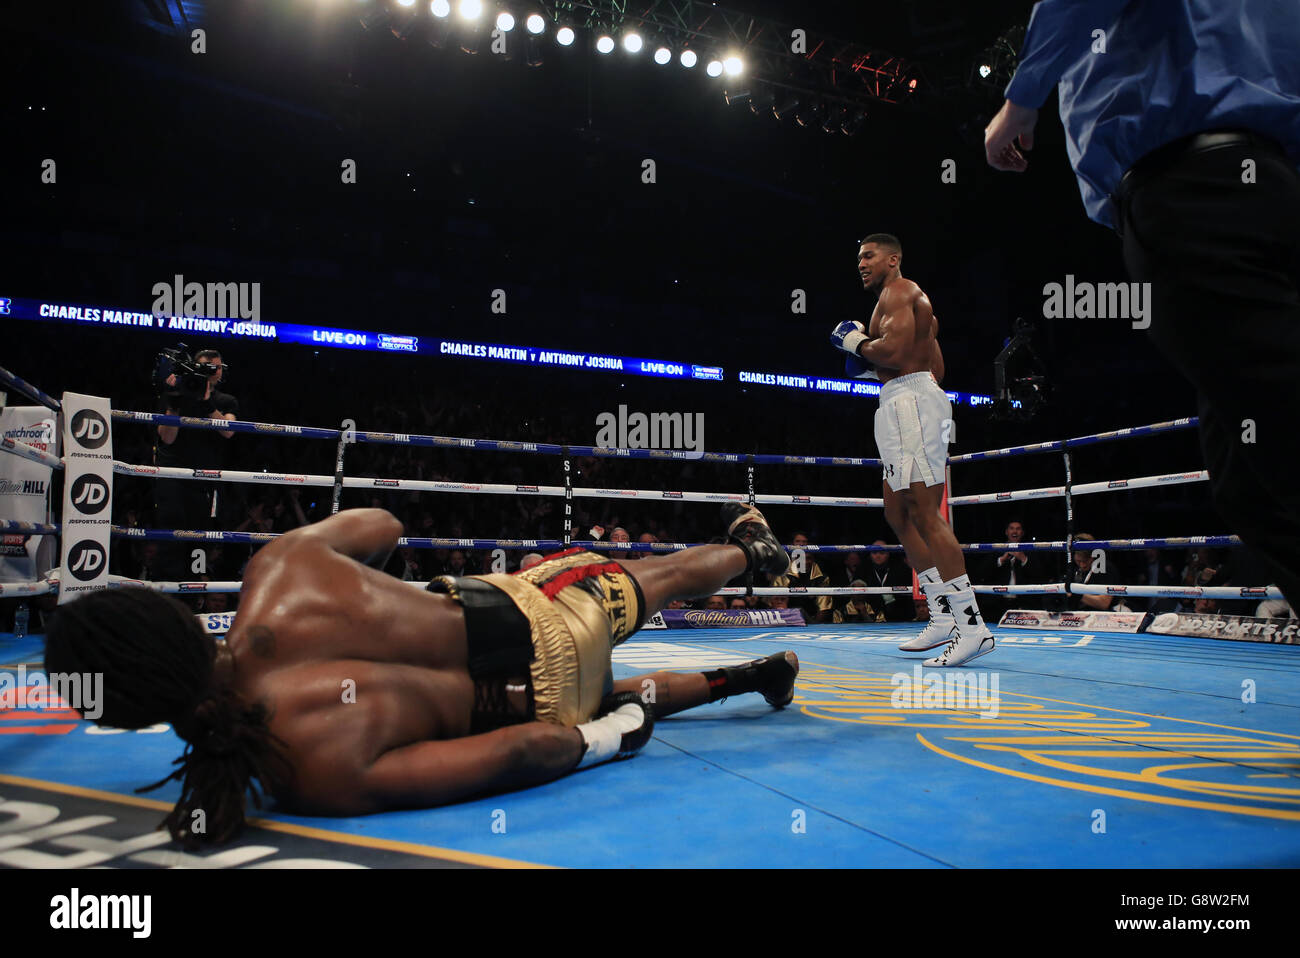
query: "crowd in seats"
550, 407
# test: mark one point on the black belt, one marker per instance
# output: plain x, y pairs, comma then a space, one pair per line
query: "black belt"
1160, 159
497, 633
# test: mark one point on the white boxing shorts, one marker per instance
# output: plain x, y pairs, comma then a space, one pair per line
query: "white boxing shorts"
910, 431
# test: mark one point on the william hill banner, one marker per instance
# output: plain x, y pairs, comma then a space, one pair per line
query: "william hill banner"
731, 618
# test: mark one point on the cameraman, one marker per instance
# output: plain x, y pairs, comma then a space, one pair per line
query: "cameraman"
189, 389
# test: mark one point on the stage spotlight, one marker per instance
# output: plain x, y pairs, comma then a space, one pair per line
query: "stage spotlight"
735, 96
505, 21
688, 58
535, 54
404, 22
714, 69
733, 66
808, 115
471, 9
663, 55
632, 42
535, 23
604, 44
985, 70
835, 117
852, 126
374, 17
782, 109
440, 9
406, 3
564, 36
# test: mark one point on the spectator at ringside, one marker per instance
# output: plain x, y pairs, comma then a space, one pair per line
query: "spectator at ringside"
1012, 567
842, 578
1087, 570
859, 608
216, 602
815, 608
715, 603
530, 560
738, 602
885, 570
407, 565
1156, 569
621, 535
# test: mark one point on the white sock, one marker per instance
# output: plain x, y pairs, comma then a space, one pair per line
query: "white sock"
959, 584
961, 598
932, 588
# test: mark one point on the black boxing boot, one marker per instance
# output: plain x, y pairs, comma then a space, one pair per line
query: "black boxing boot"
747, 528
773, 676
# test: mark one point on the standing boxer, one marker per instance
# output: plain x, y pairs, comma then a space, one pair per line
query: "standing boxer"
913, 426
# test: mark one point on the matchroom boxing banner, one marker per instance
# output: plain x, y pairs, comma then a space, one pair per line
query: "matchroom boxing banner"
25, 492
87, 494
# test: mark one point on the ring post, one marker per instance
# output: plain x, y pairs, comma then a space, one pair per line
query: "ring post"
749, 470
568, 499
338, 472
1069, 514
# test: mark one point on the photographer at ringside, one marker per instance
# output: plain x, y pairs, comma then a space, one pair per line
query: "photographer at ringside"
188, 387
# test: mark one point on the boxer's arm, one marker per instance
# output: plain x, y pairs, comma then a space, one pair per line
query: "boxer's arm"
897, 332
437, 773
936, 363
367, 535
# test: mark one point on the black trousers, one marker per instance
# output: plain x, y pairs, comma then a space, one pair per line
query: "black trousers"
1223, 260
180, 504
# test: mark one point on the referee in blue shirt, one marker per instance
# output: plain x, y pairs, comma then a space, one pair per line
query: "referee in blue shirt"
1182, 120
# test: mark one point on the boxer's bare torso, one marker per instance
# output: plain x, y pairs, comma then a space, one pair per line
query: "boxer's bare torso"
353, 664
904, 332
900, 300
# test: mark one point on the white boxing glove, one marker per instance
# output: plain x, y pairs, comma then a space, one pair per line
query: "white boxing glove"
621, 731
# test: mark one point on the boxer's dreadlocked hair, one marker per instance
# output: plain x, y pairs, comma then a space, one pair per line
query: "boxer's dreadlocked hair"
157, 664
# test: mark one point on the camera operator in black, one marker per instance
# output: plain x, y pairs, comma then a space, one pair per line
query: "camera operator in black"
188, 388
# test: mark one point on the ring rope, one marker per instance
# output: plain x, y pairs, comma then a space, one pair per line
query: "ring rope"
338, 482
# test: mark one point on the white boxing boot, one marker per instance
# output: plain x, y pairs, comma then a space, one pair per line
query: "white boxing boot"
941, 628
973, 637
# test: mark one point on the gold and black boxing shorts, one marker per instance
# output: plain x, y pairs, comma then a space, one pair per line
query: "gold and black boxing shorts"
579, 605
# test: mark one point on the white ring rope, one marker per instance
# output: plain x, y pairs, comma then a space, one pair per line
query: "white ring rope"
323, 481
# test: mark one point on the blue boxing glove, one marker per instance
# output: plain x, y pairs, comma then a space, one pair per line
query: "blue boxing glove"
855, 367
848, 336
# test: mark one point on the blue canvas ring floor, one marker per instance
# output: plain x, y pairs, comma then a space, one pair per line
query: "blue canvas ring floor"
1085, 750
